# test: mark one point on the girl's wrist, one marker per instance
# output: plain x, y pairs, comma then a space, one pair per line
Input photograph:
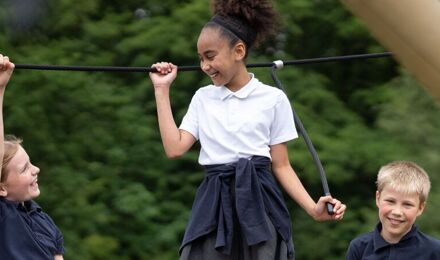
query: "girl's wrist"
314, 215
161, 86
161, 90
313, 212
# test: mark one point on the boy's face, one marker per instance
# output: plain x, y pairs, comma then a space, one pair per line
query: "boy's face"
21, 183
397, 213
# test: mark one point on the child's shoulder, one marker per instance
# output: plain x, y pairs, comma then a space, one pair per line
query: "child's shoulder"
6, 207
6, 204
270, 92
363, 239
429, 241
207, 88
359, 245
208, 91
426, 246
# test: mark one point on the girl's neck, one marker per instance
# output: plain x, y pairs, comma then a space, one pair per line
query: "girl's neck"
239, 81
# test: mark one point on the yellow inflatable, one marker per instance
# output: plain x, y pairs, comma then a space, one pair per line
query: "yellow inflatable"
410, 29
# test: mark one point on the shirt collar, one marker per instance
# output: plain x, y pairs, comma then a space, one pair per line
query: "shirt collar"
28, 206
380, 242
241, 93
32, 206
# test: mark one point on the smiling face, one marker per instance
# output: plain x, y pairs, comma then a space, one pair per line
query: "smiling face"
21, 182
397, 212
221, 62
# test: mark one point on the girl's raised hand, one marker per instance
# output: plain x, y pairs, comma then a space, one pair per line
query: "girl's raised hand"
6, 69
165, 75
320, 212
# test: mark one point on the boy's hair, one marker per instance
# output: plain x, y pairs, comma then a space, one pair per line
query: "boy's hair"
406, 177
11, 145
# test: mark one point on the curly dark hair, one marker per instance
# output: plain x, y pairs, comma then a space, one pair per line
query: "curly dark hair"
257, 15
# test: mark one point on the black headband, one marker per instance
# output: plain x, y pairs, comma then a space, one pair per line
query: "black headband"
237, 27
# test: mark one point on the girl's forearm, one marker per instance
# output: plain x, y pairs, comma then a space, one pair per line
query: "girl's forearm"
2, 134
294, 188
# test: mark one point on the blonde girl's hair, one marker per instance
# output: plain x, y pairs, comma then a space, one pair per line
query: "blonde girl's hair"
11, 145
406, 177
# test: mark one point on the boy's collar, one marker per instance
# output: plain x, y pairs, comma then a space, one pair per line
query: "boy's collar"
379, 242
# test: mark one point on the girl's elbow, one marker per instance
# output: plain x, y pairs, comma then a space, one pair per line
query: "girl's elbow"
175, 150
174, 154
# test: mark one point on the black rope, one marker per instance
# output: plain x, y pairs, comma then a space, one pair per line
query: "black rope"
297, 120
301, 129
196, 68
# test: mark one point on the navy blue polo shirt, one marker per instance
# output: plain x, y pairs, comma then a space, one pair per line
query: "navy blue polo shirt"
26, 232
413, 246
256, 195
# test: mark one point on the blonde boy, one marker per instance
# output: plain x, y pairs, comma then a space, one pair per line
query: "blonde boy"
402, 192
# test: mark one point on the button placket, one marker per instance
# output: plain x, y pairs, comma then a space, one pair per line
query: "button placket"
233, 113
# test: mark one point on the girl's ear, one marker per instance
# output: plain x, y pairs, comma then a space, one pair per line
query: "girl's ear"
240, 51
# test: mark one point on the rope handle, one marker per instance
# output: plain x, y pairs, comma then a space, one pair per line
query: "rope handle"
308, 141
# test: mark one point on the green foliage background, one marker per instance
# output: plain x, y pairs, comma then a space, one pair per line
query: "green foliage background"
104, 176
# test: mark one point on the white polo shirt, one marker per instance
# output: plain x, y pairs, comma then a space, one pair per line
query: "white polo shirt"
233, 125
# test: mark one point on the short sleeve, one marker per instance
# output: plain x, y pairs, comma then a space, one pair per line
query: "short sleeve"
57, 238
190, 121
283, 126
59, 243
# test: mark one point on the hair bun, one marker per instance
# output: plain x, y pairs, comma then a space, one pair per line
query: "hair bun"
257, 14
